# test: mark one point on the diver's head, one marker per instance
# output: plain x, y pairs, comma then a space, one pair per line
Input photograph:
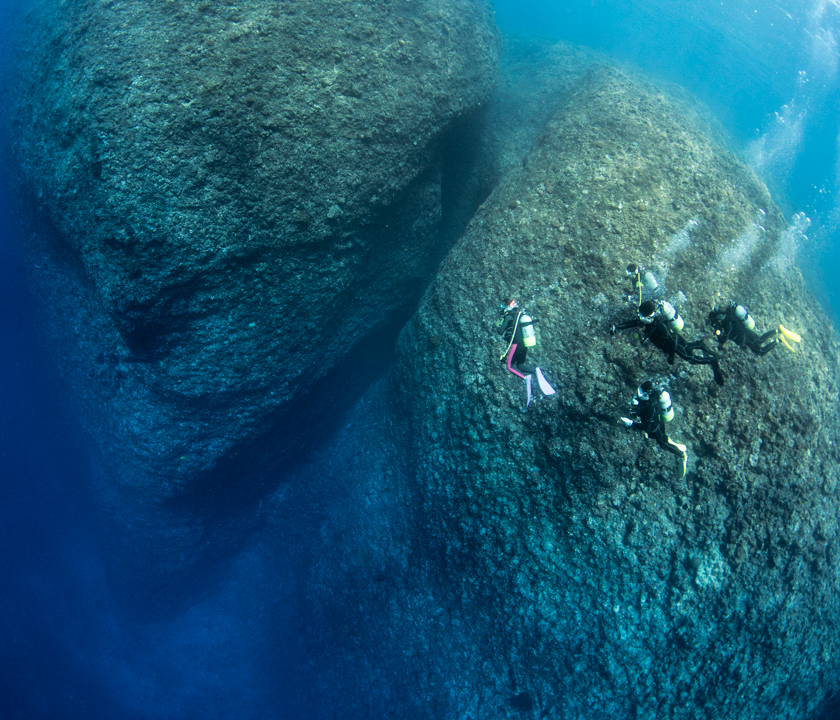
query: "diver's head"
508, 304
645, 389
716, 316
633, 269
647, 311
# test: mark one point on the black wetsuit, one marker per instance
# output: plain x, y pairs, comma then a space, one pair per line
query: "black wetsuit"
648, 419
517, 352
730, 327
660, 334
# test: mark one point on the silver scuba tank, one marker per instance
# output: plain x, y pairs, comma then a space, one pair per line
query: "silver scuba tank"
666, 407
675, 322
742, 314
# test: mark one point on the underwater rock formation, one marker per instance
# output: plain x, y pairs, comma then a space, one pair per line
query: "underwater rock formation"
585, 577
223, 201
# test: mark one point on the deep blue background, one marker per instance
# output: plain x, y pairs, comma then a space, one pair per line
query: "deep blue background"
68, 652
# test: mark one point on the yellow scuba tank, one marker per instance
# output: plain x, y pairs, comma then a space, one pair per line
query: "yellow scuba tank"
742, 314
675, 322
529, 337
666, 408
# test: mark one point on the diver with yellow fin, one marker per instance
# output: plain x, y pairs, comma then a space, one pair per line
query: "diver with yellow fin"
736, 324
651, 409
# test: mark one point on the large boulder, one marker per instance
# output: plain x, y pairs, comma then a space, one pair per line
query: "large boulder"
222, 202
589, 579
230, 210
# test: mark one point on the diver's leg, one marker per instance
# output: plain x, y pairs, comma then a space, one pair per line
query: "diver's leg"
519, 358
665, 444
679, 451
687, 353
756, 343
510, 360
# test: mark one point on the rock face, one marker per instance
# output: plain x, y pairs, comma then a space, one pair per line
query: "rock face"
589, 579
225, 200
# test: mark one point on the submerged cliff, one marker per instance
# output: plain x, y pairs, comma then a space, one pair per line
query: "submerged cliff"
589, 578
224, 204
229, 210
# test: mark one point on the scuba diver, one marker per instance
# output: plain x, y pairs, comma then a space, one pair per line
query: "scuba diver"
661, 325
736, 324
517, 328
651, 410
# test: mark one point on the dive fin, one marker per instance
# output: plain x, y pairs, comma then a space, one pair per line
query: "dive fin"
543, 383
789, 334
682, 449
786, 344
528, 385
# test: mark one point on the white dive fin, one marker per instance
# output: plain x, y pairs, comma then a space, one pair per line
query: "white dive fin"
544, 386
528, 385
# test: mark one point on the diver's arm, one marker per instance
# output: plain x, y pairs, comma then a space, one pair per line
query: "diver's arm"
635, 322
505, 325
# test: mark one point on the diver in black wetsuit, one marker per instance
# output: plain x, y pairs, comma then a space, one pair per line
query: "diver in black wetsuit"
661, 324
736, 324
651, 409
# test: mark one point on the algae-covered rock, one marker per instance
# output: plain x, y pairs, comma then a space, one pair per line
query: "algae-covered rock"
223, 200
592, 580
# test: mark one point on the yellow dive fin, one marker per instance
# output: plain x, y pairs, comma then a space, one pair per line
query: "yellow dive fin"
786, 344
789, 334
682, 449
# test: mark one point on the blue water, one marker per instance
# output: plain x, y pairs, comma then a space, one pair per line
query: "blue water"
770, 73
768, 70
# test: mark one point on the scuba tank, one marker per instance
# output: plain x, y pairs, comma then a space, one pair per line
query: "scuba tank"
742, 314
649, 280
675, 322
529, 337
642, 279
666, 407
